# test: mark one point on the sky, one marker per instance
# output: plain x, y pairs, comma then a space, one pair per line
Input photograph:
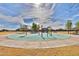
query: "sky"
14, 14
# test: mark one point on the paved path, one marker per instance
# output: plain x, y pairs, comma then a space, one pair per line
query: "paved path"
4, 41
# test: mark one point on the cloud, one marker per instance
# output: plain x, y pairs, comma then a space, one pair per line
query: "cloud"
17, 19
53, 25
72, 18
75, 15
1, 27
41, 13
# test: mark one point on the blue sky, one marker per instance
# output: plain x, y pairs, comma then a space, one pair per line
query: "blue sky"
62, 13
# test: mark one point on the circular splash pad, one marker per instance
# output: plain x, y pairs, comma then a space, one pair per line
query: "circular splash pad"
38, 37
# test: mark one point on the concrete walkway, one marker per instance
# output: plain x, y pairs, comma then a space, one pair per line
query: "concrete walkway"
4, 41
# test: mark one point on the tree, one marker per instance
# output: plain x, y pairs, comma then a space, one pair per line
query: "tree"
69, 25
77, 27
34, 27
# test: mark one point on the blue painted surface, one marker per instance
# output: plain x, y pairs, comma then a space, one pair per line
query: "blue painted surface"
37, 37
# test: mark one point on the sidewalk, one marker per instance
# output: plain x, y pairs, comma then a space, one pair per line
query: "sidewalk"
4, 41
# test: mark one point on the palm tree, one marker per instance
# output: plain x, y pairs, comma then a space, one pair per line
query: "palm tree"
69, 25
77, 27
